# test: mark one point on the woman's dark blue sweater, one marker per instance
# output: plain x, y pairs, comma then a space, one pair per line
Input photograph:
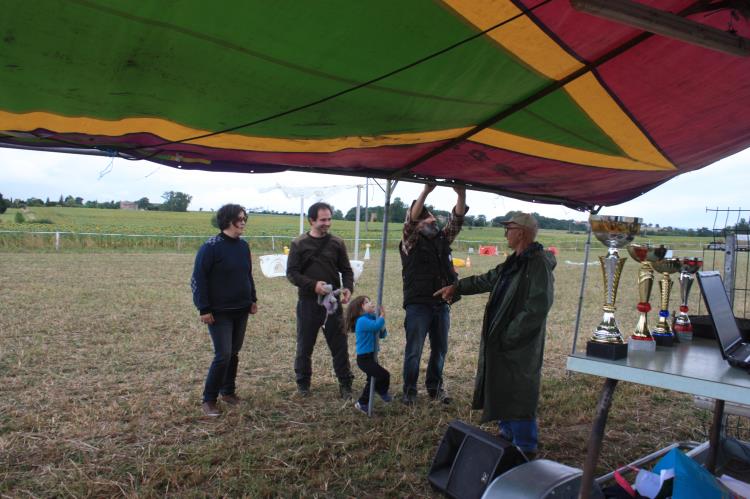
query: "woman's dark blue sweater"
223, 276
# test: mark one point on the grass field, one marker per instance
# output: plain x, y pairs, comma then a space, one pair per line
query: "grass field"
102, 362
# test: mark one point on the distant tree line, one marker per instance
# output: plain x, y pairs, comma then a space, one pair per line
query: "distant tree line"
173, 201
740, 227
397, 214
337, 214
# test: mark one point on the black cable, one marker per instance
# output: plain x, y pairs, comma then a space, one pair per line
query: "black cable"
112, 151
350, 89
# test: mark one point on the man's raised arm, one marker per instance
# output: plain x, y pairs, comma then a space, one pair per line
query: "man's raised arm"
460, 208
416, 208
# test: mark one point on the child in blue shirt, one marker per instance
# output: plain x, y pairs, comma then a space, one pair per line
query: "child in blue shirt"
361, 319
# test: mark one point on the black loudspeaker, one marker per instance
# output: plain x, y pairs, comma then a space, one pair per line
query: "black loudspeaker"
468, 459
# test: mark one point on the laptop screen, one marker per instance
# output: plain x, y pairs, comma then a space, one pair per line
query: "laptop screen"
720, 309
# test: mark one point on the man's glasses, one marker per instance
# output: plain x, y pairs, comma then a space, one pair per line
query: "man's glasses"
509, 229
241, 219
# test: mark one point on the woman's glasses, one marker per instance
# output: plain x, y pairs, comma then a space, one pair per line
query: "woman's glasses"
241, 220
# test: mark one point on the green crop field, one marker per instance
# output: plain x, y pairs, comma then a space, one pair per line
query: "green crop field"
102, 362
125, 230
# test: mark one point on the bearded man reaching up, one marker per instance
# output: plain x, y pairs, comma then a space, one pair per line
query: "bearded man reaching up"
427, 266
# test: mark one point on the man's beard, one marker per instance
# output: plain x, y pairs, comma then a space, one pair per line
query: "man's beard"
429, 231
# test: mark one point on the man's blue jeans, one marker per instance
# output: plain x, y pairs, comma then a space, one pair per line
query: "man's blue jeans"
423, 320
522, 432
227, 333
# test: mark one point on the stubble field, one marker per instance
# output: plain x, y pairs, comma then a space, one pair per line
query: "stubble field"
102, 362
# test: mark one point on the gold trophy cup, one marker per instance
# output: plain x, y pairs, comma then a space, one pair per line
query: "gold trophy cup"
682, 326
662, 333
641, 338
614, 232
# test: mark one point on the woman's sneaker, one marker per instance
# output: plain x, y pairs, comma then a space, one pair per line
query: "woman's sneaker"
360, 407
210, 409
230, 399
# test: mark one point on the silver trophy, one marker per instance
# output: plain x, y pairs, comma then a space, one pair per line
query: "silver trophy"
614, 232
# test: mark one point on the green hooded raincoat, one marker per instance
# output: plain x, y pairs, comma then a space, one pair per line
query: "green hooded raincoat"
512, 344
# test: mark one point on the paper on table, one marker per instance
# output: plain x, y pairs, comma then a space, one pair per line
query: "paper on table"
649, 484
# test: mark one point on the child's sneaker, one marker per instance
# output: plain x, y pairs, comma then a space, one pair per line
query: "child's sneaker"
361, 407
386, 397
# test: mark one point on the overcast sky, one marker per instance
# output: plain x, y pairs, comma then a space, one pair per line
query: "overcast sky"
681, 202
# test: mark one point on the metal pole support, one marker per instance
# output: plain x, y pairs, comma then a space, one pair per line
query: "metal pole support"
597, 434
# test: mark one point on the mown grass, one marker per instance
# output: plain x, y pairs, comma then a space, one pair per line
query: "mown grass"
102, 361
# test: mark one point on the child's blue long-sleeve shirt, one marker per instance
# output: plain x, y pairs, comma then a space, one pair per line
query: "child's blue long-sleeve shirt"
365, 329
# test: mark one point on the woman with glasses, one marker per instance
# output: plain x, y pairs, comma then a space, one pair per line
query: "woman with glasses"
224, 294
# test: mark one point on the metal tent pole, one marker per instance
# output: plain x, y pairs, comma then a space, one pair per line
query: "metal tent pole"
390, 184
583, 287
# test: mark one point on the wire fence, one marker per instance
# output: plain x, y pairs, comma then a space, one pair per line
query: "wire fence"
14, 240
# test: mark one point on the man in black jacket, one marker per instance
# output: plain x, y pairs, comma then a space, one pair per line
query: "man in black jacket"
315, 260
427, 266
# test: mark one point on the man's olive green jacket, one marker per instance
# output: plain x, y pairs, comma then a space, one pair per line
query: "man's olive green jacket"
512, 344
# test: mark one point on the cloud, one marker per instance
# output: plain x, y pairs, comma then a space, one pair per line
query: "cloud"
681, 202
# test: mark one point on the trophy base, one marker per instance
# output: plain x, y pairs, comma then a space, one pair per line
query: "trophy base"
610, 351
637, 345
684, 332
663, 340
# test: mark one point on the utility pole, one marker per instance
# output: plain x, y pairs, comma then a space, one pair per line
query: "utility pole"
356, 225
302, 214
367, 202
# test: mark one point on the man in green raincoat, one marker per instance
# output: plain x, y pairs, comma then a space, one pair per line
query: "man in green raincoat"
512, 345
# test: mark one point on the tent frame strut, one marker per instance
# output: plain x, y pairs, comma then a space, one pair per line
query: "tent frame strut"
389, 186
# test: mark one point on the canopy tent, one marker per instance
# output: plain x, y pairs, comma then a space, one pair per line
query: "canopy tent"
532, 99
